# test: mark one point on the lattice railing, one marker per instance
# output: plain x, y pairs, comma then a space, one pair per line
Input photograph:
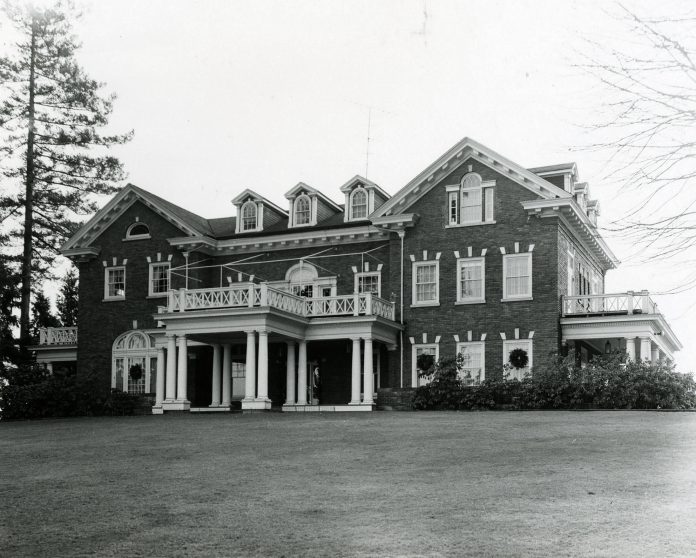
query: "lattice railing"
58, 336
623, 303
286, 301
200, 299
383, 308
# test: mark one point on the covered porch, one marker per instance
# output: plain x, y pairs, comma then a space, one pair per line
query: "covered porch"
57, 347
629, 322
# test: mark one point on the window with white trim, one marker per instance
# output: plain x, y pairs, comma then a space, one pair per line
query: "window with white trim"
471, 280
249, 217
368, 282
472, 369
303, 210
426, 279
134, 362
432, 349
115, 283
159, 279
472, 202
358, 204
526, 345
138, 231
517, 276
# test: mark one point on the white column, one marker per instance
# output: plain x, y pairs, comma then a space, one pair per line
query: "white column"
631, 348
655, 356
263, 366
250, 380
182, 370
290, 374
226, 375
645, 349
368, 380
355, 375
49, 367
217, 376
171, 368
159, 381
302, 374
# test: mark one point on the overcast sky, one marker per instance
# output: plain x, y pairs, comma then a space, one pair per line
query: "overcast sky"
227, 95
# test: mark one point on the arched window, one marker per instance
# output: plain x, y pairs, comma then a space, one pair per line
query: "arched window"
302, 277
303, 210
138, 230
249, 216
134, 363
358, 204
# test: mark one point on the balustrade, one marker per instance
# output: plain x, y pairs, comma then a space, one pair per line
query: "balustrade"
622, 303
58, 336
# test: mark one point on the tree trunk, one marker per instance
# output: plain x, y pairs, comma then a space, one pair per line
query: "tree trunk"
28, 205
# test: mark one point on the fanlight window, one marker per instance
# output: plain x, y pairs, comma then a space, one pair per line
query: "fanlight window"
134, 363
303, 210
249, 216
358, 204
138, 230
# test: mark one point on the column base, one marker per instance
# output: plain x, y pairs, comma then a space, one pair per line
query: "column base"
176, 405
256, 405
298, 408
157, 410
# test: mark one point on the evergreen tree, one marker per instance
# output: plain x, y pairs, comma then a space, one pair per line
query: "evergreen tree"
41, 315
67, 299
9, 303
53, 157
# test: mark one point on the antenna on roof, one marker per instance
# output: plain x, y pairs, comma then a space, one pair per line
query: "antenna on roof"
367, 149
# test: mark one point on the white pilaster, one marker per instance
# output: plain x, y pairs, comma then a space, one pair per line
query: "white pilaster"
368, 380
226, 375
182, 370
263, 366
250, 380
355, 373
302, 374
655, 355
170, 389
290, 374
631, 348
217, 376
645, 348
159, 381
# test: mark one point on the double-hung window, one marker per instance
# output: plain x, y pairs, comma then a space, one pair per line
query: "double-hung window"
303, 210
472, 202
471, 280
368, 282
115, 283
249, 218
159, 279
524, 344
517, 276
472, 369
426, 283
358, 204
432, 350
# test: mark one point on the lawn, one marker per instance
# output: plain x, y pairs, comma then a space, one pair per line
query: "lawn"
379, 484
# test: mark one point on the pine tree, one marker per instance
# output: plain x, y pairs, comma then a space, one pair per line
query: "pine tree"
51, 150
67, 299
9, 302
41, 315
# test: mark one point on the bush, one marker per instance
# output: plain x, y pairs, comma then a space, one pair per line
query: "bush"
607, 382
30, 392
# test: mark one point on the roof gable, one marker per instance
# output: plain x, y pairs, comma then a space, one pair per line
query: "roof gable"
301, 186
357, 179
248, 193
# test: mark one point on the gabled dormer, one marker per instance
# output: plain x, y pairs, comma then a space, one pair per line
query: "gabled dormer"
581, 191
309, 206
564, 175
254, 212
362, 198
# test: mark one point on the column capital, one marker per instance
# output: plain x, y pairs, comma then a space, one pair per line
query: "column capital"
170, 335
263, 331
355, 338
215, 345
182, 336
250, 332
291, 343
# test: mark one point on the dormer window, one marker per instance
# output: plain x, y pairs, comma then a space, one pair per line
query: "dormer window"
472, 202
138, 231
303, 210
249, 216
358, 204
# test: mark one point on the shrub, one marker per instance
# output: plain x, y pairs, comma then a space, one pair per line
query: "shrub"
607, 382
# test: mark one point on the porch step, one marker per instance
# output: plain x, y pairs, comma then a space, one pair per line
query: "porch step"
395, 399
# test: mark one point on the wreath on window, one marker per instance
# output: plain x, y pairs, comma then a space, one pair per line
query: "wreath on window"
136, 372
519, 358
425, 362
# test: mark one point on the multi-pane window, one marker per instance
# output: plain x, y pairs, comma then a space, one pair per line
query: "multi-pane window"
249, 216
425, 283
358, 204
472, 369
368, 283
303, 210
517, 276
524, 344
472, 202
417, 364
115, 283
471, 284
159, 278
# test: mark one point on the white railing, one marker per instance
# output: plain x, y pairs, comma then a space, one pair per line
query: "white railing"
622, 303
251, 295
58, 336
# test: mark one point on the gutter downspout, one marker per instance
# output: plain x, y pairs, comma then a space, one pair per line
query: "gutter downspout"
402, 234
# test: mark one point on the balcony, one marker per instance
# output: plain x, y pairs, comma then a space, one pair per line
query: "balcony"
609, 304
54, 336
252, 295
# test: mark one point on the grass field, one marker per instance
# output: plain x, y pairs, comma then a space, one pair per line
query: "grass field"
379, 484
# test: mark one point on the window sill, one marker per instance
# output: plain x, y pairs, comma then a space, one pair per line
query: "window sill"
465, 302
450, 226
520, 299
119, 299
132, 238
161, 295
424, 304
